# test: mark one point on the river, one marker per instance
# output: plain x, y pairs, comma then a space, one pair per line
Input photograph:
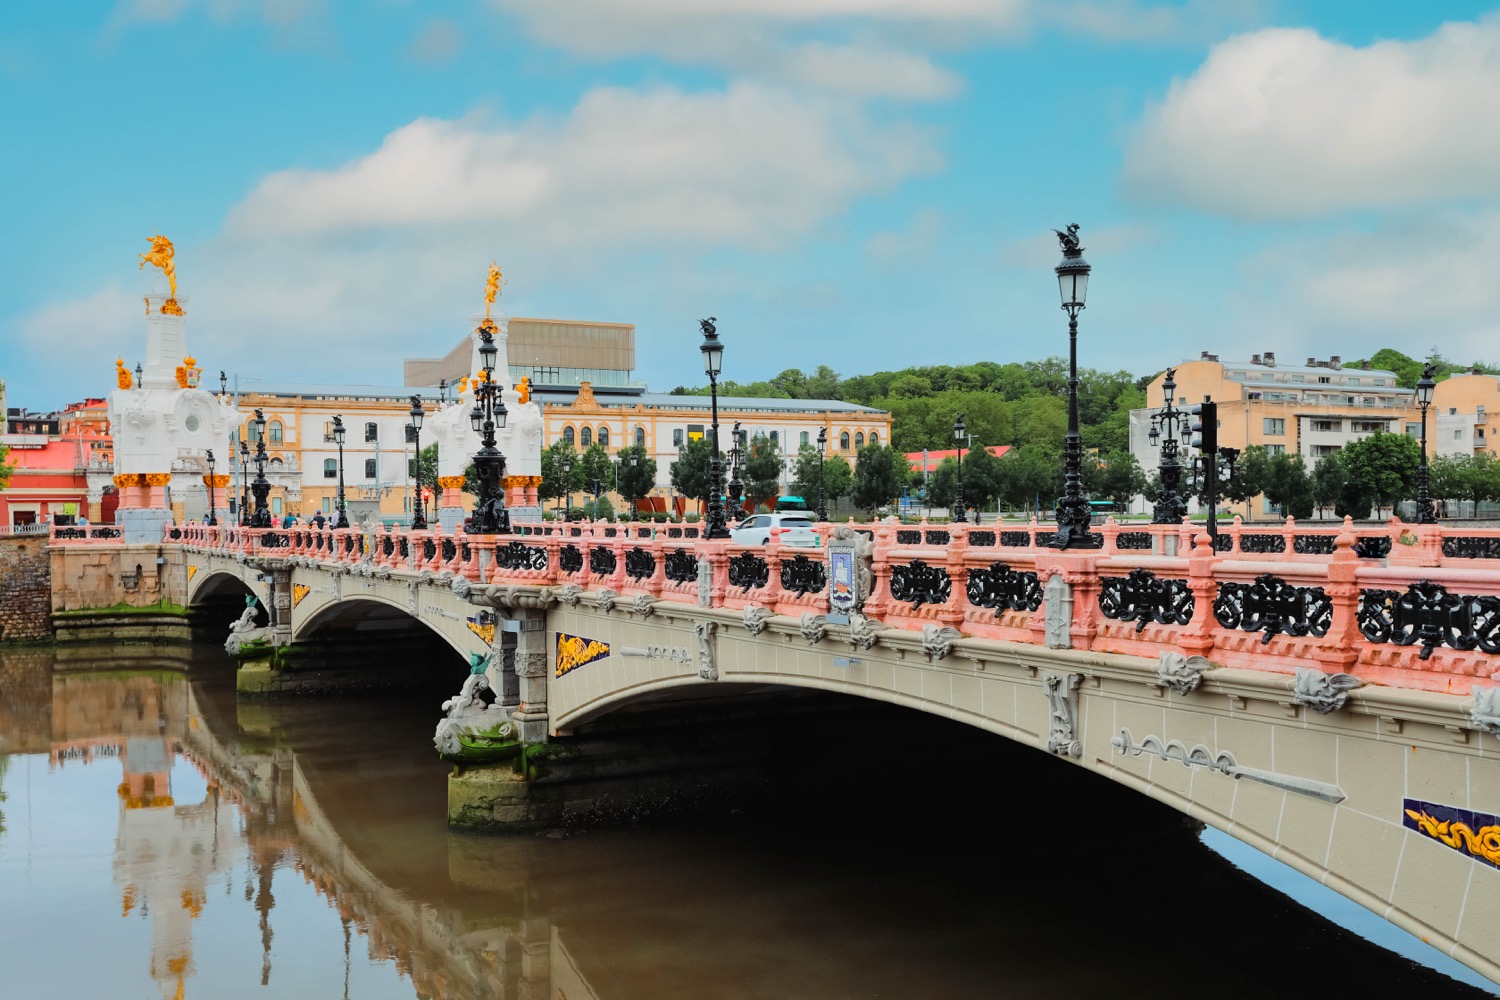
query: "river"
160, 838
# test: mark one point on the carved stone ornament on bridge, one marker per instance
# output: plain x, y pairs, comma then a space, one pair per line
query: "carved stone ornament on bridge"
461, 588
569, 594
643, 605
705, 631
813, 627
605, 599
1062, 702
532, 663
472, 731
1224, 763
244, 630
1485, 712
938, 640
1181, 673
864, 632
1059, 599
864, 554
1322, 692
756, 618
705, 582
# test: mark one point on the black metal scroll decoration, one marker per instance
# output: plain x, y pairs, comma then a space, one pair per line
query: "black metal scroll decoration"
918, 583
449, 549
1015, 539
1261, 542
1274, 607
1003, 588
1143, 598
938, 538
1471, 547
1373, 546
1428, 614
639, 564
748, 571
803, 575
908, 538
982, 539
1134, 540
516, 556
1313, 545
681, 566
601, 562
569, 559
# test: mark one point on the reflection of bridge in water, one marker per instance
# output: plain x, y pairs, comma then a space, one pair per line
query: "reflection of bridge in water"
1323, 693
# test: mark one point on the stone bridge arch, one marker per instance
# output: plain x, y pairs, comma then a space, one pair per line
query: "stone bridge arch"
1326, 781
208, 582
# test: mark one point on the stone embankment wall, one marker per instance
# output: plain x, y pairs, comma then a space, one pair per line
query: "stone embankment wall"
118, 593
25, 589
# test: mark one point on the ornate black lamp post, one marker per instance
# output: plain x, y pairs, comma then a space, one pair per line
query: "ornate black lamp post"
139, 374
822, 509
488, 415
340, 512
635, 461
261, 488
1168, 426
1425, 385
418, 517
244, 485
959, 436
736, 455
567, 467
1073, 507
713, 363
223, 383
212, 518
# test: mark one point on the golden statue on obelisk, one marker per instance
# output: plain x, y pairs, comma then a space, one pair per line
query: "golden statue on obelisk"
160, 255
491, 289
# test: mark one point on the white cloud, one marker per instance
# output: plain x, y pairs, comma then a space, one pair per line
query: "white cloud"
92, 327
438, 42
1283, 123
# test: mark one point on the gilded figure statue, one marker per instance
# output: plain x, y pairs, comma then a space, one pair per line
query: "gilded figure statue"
122, 374
524, 388
492, 288
160, 255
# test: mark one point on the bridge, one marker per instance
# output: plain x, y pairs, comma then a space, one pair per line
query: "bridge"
1324, 693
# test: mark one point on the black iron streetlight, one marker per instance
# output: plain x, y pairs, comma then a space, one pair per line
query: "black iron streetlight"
960, 436
567, 467
261, 487
212, 519
1425, 385
1168, 426
488, 415
822, 508
139, 373
223, 383
635, 462
244, 484
340, 512
418, 518
1073, 507
736, 455
713, 363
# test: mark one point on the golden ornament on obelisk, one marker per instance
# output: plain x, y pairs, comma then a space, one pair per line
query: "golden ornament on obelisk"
491, 289
160, 255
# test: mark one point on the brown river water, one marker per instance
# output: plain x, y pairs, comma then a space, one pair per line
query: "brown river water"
160, 838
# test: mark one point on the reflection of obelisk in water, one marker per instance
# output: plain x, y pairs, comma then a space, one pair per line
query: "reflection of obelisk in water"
165, 855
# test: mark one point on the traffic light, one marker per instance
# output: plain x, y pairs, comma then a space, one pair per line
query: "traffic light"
1205, 427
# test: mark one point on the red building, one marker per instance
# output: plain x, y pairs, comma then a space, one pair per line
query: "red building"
51, 454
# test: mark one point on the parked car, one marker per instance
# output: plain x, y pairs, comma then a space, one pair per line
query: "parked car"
756, 529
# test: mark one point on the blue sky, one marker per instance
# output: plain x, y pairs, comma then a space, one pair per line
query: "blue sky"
866, 184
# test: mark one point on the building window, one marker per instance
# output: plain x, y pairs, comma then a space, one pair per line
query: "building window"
677, 437
1323, 450
1458, 435
372, 431
369, 468
252, 433
775, 437
640, 437
330, 468
844, 441
568, 436
1414, 430
1369, 400
859, 440
1275, 449
604, 436
1275, 425
1368, 426
874, 439
273, 432
1327, 425
802, 441
1324, 379
276, 506
585, 437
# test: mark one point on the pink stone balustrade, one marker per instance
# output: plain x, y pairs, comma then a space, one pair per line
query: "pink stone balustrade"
1335, 566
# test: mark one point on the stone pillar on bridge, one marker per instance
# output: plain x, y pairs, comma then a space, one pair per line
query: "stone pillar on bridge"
530, 660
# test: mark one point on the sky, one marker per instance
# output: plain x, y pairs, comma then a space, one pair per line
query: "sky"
866, 184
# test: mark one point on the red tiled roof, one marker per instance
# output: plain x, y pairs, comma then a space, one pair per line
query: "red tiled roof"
935, 458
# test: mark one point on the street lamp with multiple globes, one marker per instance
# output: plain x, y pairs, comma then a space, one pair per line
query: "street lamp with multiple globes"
1168, 426
418, 517
713, 363
959, 435
488, 415
736, 455
822, 508
261, 487
213, 520
1073, 507
1425, 385
244, 484
340, 511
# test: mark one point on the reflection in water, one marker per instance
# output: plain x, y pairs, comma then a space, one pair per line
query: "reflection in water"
301, 846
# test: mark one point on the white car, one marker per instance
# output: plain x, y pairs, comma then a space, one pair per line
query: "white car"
756, 530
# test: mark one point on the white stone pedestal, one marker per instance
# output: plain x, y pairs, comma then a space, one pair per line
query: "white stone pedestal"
142, 525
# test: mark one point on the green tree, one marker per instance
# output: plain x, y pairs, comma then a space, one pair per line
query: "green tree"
5, 468
690, 472
1328, 482
879, 477
1030, 477
1381, 468
427, 467
637, 479
1115, 476
762, 470
595, 470
555, 483
837, 476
